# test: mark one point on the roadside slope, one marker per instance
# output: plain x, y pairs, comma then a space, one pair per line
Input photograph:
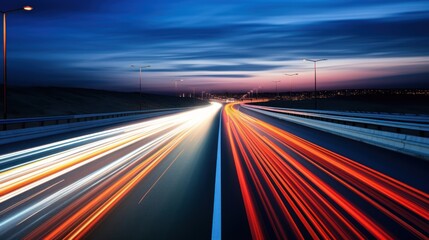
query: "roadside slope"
51, 101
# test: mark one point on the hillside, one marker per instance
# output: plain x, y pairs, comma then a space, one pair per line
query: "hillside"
51, 101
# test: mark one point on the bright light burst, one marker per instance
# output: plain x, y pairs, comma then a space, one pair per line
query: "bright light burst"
83, 179
276, 175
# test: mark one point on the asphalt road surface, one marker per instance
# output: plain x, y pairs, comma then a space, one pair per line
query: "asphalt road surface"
210, 173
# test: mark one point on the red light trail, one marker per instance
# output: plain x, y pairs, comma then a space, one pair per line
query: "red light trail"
276, 171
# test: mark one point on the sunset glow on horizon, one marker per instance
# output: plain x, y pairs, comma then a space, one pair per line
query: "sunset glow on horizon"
219, 45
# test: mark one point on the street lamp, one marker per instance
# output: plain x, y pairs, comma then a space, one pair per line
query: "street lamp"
315, 89
140, 78
276, 82
257, 92
25, 8
193, 92
290, 75
175, 85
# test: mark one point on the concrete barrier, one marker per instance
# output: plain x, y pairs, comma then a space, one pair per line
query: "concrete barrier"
17, 135
407, 144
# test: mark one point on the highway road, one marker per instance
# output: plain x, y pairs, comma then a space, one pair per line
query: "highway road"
65, 189
206, 173
300, 183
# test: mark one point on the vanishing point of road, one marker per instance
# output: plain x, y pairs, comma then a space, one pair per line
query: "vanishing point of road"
210, 172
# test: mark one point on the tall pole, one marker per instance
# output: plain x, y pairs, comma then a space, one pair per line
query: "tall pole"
26, 8
277, 91
290, 75
315, 86
177, 87
140, 77
276, 82
4, 69
140, 84
291, 89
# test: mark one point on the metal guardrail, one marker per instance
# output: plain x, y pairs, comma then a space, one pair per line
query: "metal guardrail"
20, 123
404, 143
411, 118
405, 124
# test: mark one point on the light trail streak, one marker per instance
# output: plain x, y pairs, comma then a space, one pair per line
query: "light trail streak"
298, 203
28, 198
99, 170
33, 152
159, 178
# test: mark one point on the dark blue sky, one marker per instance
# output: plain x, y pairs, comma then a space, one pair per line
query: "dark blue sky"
219, 45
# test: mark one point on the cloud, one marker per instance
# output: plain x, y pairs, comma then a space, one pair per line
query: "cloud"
96, 39
215, 68
220, 76
411, 81
54, 8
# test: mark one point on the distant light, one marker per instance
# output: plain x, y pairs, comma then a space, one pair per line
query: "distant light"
28, 8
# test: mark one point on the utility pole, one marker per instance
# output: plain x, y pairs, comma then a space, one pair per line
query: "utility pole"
290, 75
315, 86
276, 82
26, 8
140, 80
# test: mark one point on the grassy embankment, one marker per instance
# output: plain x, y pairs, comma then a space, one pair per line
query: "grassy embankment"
53, 101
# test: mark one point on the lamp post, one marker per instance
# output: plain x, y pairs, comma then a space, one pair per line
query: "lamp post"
25, 8
193, 92
257, 91
140, 79
290, 75
315, 87
176, 85
276, 82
